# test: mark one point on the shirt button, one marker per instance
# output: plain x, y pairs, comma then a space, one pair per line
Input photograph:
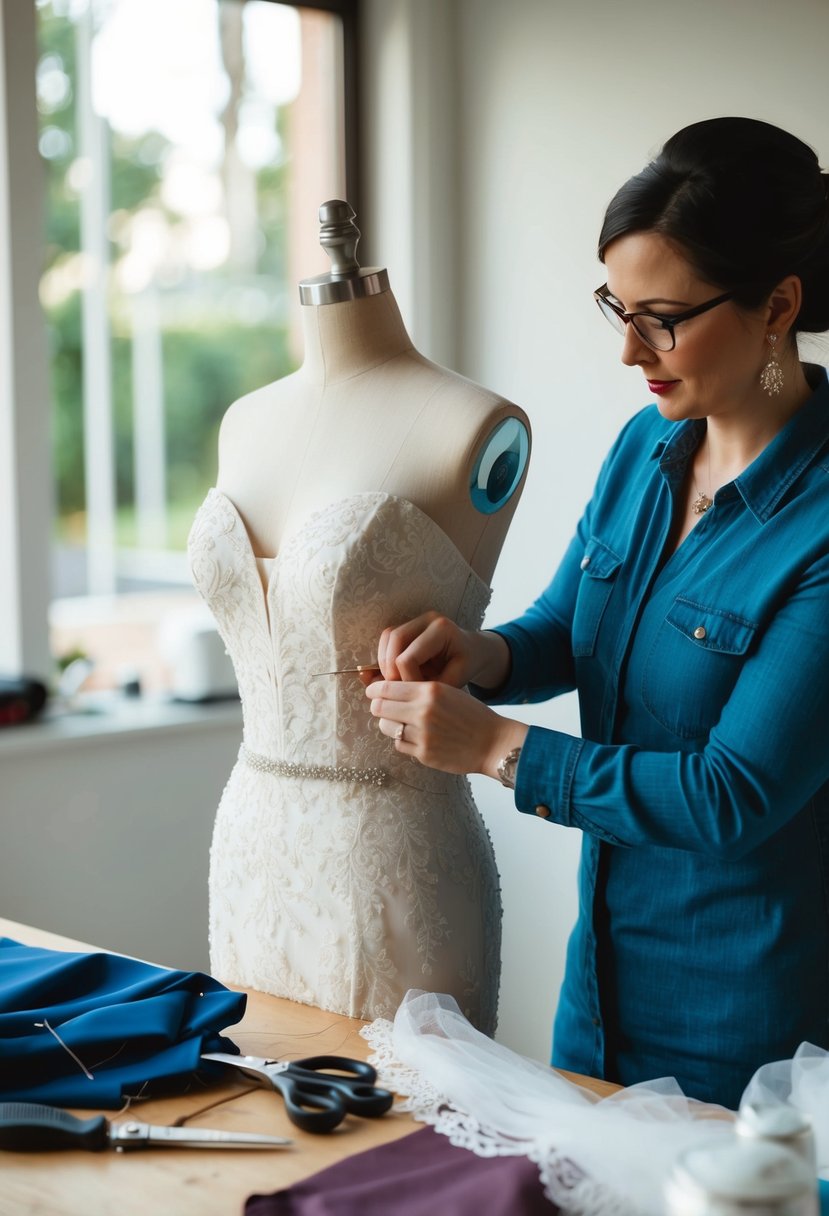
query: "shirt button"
699, 632
597, 1021
543, 812
584, 563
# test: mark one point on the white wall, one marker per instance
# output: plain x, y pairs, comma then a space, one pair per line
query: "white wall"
550, 107
106, 825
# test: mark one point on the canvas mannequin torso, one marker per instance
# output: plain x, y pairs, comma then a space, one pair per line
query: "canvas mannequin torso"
364, 412
367, 487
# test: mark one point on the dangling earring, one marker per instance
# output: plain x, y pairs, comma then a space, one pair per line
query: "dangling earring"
771, 377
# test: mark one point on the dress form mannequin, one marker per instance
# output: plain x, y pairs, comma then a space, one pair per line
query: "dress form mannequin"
366, 487
366, 412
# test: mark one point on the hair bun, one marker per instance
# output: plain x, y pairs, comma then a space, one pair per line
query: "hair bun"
745, 202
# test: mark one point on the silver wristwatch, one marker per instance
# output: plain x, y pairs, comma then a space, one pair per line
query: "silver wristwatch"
506, 768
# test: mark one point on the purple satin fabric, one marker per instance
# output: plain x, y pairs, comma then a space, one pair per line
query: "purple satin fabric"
419, 1175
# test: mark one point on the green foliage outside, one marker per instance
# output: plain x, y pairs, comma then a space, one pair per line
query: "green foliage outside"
207, 362
204, 371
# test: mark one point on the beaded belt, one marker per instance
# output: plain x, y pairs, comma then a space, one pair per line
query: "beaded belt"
323, 772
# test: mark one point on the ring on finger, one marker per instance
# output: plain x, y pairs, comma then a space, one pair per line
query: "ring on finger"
398, 734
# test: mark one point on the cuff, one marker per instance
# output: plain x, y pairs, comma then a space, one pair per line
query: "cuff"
545, 774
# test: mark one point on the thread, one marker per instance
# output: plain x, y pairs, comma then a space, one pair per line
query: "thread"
130, 1099
100, 1063
67, 1049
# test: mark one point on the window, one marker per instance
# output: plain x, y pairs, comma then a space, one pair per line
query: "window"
187, 148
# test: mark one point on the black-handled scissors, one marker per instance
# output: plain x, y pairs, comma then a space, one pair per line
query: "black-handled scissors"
316, 1098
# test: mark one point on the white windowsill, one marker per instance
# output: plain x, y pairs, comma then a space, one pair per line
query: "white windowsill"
101, 716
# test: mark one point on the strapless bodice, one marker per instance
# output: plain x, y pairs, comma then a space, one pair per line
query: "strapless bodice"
349, 570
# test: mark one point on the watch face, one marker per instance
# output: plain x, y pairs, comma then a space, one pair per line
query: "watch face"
507, 767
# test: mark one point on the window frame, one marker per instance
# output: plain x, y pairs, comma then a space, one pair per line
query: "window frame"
349, 12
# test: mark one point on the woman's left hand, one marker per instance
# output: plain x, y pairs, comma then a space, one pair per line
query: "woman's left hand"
443, 727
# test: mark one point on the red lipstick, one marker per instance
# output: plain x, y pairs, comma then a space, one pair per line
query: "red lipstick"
661, 386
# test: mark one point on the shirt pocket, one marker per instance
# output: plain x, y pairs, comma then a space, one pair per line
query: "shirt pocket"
693, 665
599, 566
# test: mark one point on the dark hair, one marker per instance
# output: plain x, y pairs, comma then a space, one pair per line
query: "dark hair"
746, 203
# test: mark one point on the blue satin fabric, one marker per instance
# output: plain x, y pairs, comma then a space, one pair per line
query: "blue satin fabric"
131, 1025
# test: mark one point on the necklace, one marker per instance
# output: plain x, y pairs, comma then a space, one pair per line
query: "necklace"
703, 502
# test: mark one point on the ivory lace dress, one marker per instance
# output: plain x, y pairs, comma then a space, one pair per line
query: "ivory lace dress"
341, 873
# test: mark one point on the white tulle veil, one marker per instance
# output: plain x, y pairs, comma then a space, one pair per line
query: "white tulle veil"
596, 1156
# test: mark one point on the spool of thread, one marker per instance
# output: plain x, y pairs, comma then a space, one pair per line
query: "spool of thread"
738, 1175
779, 1123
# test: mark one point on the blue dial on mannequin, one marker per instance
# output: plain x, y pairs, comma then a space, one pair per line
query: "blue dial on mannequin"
499, 466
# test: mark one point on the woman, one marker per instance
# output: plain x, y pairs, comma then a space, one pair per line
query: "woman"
691, 612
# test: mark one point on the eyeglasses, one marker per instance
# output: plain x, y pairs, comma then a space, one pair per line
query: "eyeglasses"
655, 329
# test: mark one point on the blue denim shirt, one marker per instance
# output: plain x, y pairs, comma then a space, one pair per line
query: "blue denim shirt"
701, 948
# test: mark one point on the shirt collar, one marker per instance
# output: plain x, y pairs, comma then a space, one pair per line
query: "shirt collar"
763, 484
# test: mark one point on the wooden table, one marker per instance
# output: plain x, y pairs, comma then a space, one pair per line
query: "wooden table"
204, 1182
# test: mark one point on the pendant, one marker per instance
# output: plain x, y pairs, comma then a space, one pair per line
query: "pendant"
771, 378
701, 504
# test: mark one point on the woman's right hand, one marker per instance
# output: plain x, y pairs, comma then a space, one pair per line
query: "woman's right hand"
432, 647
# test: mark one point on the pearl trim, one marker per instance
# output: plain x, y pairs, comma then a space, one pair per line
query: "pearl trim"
321, 772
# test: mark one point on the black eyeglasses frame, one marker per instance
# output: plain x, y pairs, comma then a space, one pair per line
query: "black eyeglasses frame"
666, 321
